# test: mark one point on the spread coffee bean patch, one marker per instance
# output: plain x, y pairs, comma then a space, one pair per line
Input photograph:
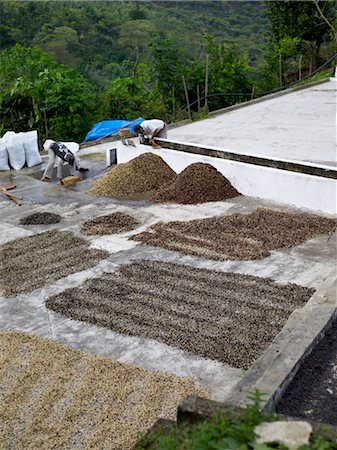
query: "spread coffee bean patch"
42, 218
35, 261
54, 397
228, 317
237, 236
110, 224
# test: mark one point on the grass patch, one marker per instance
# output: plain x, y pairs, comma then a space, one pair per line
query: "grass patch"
228, 430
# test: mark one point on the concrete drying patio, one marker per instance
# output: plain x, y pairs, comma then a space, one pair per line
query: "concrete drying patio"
298, 125
308, 266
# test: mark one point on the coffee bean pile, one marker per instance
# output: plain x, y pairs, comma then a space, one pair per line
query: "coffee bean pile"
134, 180
198, 183
228, 317
237, 236
35, 261
43, 218
60, 398
110, 224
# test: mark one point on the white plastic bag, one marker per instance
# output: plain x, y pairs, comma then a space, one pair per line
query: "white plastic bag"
73, 146
15, 149
32, 154
3, 156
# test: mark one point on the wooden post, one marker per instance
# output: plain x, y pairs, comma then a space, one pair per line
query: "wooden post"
300, 67
187, 100
206, 85
253, 92
173, 103
198, 97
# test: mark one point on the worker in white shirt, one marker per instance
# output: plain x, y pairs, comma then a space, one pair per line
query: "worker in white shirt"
152, 128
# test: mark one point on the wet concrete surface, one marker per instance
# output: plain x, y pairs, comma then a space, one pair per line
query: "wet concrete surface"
310, 264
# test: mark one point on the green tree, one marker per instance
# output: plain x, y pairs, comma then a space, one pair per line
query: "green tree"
131, 97
136, 34
168, 68
229, 72
307, 25
35, 92
300, 19
61, 42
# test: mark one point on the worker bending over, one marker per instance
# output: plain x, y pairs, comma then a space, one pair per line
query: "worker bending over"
62, 154
152, 128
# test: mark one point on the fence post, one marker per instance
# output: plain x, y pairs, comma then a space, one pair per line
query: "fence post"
187, 100
206, 85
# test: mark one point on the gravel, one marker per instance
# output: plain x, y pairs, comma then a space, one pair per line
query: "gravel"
228, 317
112, 223
312, 395
43, 218
198, 183
134, 180
237, 236
35, 261
58, 398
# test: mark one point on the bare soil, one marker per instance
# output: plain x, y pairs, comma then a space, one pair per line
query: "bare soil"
312, 394
112, 223
35, 261
237, 236
54, 397
42, 218
224, 316
198, 183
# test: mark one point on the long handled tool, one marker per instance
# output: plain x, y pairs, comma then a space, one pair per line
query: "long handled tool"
4, 191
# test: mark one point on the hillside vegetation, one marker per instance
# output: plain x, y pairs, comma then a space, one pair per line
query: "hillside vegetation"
99, 38
68, 64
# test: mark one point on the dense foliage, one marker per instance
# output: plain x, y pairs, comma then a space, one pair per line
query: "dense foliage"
66, 65
37, 93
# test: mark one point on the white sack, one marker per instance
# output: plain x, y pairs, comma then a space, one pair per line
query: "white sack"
3, 156
32, 154
15, 149
73, 146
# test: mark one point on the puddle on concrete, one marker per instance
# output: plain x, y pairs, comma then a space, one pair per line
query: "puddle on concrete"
312, 394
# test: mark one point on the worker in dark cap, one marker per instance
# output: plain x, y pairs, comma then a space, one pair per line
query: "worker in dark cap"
152, 128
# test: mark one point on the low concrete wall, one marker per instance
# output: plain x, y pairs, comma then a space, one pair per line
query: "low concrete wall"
283, 186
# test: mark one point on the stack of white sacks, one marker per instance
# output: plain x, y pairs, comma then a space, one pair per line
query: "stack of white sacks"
18, 150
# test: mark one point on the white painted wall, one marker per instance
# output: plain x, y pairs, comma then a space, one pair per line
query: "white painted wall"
291, 188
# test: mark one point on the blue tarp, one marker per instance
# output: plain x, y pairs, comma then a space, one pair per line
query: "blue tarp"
108, 126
